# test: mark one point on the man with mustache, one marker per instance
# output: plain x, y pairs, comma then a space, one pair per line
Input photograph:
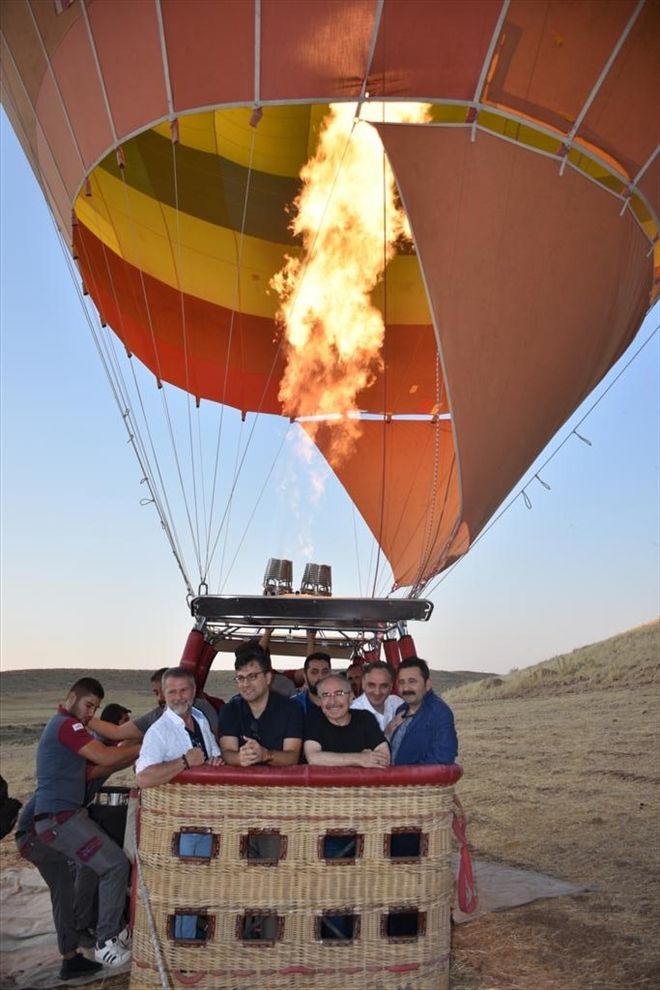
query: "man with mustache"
337, 736
180, 739
422, 730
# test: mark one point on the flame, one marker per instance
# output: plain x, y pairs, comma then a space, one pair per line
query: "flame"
349, 220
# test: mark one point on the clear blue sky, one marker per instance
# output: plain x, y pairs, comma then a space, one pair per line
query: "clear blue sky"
89, 581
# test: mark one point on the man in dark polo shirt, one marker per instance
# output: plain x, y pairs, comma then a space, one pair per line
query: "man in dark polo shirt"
59, 830
339, 736
259, 726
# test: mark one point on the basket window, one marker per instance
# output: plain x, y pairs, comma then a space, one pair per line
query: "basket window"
265, 847
341, 846
190, 926
406, 845
337, 927
195, 845
404, 924
265, 927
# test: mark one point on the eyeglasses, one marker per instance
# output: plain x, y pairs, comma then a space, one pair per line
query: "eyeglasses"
333, 694
242, 678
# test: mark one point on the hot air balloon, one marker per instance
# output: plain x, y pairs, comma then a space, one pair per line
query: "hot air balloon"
169, 138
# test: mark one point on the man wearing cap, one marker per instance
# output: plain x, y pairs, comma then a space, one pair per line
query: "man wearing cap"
422, 731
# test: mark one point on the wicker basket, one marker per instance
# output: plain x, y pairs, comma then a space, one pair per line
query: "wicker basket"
269, 903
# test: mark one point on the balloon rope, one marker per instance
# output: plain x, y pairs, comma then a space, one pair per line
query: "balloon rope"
357, 552
146, 900
158, 491
154, 344
385, 436
236, 308
130, 424
255, 507
176, 252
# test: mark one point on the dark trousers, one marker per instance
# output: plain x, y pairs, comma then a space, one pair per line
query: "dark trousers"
90, 848
61, 880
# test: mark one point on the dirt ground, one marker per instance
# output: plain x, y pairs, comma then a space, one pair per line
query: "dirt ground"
565, 785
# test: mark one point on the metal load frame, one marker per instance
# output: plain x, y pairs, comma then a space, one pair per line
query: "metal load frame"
340, 624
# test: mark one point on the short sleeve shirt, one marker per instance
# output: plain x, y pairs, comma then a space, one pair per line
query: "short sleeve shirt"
60, 771
362, 732
144, 722
281, 719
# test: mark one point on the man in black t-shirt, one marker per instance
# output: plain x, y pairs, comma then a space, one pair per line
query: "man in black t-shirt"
338, 736
259, 726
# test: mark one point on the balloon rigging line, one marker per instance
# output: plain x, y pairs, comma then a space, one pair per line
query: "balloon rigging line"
384, 459
56, 87
229, 508
569, 139
164, 57
99, 73
128, 405
304, 267
117, 397
476, 99
416, 590
429, 537
305, 264
128, 414
522, 492
178, 268
164, 402
256, 506
357, 553
236, 308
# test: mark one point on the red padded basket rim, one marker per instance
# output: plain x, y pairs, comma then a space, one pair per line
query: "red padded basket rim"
306, 776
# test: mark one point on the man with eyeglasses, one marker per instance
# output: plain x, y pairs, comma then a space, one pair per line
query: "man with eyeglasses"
180, 739
338, 736
259, 726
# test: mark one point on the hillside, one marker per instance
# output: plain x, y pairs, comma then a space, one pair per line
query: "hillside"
629, 660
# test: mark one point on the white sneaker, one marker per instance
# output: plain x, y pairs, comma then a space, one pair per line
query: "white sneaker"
112, 953
125, 938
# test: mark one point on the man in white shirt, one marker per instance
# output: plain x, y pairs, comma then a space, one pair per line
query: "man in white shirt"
377, 697
180, 739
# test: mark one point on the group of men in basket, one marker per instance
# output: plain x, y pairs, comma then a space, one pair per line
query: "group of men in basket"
327, 723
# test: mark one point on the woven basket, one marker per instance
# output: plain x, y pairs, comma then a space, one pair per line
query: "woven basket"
294, 946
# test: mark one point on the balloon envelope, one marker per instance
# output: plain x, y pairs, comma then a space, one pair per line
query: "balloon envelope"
532, 196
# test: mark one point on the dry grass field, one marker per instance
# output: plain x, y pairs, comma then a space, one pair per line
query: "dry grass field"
561, 775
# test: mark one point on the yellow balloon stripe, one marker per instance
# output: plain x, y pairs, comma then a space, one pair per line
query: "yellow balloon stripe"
283, 140
201, 258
